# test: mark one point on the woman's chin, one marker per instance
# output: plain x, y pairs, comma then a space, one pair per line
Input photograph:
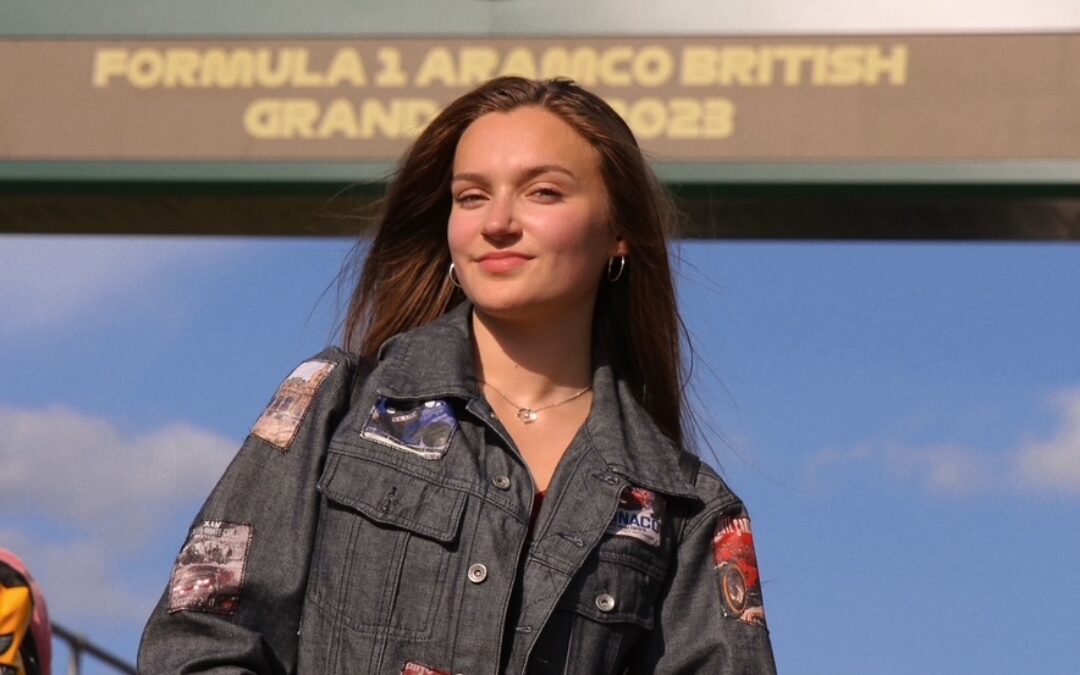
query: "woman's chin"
506, 308
520, 309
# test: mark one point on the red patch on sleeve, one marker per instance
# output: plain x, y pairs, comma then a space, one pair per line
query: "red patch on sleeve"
414, 668
737, 570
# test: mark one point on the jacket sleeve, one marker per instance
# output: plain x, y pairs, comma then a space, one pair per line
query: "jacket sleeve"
234, 599
711, 618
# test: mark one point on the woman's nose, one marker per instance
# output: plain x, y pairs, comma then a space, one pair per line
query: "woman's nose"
500, 220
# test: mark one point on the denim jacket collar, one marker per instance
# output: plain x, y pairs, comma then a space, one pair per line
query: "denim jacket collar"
437, 360
433, 360
628, 440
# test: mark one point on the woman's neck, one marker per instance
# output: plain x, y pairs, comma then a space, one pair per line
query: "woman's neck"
535, 362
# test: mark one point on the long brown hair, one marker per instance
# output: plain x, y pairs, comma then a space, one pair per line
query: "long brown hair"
404, 283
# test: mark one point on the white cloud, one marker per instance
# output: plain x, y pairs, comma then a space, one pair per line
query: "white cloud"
1031, 467
822, 468
81, 580
944, 469
49, 282
84, 499
1054, 464
84, 471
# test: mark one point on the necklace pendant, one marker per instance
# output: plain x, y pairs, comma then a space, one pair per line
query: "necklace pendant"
527, 415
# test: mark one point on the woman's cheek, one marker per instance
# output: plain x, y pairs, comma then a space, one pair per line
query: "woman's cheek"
456, 234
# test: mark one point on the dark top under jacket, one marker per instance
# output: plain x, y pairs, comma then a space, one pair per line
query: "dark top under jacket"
377, 520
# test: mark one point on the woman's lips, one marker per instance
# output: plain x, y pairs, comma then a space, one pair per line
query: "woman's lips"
502, 263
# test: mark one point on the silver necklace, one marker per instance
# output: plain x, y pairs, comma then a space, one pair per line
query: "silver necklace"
530, 415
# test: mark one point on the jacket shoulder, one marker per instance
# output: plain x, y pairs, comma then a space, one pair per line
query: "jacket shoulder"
337, 356
319, 387
711, 489
332, 363
711, 494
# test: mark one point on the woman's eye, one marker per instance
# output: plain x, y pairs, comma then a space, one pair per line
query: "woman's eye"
468, 198
547, 193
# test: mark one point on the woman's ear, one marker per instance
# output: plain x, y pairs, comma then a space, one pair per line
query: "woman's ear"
621, 247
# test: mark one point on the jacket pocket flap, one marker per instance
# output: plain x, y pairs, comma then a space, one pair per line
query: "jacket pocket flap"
608, 591
393, 497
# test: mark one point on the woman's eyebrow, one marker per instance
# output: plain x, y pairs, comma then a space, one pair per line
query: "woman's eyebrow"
531, 172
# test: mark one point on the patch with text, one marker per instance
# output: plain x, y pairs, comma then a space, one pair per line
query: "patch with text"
209, 572
640, 515
423, 428
285, 413
737, 570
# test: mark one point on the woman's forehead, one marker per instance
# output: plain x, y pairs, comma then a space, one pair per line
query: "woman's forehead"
530, 136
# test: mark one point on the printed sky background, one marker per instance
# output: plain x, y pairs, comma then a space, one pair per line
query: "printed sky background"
903, 421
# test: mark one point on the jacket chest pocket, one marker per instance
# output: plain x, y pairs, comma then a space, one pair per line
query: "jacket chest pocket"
383, 546
609, 604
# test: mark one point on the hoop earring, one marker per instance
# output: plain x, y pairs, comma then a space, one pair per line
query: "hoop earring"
612, 274
453, 277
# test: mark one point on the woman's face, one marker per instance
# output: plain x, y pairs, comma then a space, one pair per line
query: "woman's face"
529, 231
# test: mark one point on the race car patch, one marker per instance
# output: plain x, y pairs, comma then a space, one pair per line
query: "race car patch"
640, 515
414, 668
737, 570
209, 572
423, 428
281, 419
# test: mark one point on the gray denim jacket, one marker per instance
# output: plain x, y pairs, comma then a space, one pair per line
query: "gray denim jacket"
379, 520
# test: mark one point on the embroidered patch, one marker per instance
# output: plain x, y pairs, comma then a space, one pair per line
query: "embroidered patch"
737, 570
209, 572
640, 515
425, 428
414, 668
282, 417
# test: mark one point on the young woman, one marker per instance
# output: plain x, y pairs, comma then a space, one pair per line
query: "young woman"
492, 478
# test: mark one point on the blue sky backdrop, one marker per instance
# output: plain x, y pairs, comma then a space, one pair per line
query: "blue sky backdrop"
903, 421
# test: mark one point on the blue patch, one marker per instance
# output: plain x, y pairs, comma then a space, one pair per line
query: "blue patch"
423, 428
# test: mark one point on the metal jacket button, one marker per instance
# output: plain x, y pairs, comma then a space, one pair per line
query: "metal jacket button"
477, 573
605, 603
501, 482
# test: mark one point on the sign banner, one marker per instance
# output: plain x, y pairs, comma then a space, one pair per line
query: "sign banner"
704, 99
